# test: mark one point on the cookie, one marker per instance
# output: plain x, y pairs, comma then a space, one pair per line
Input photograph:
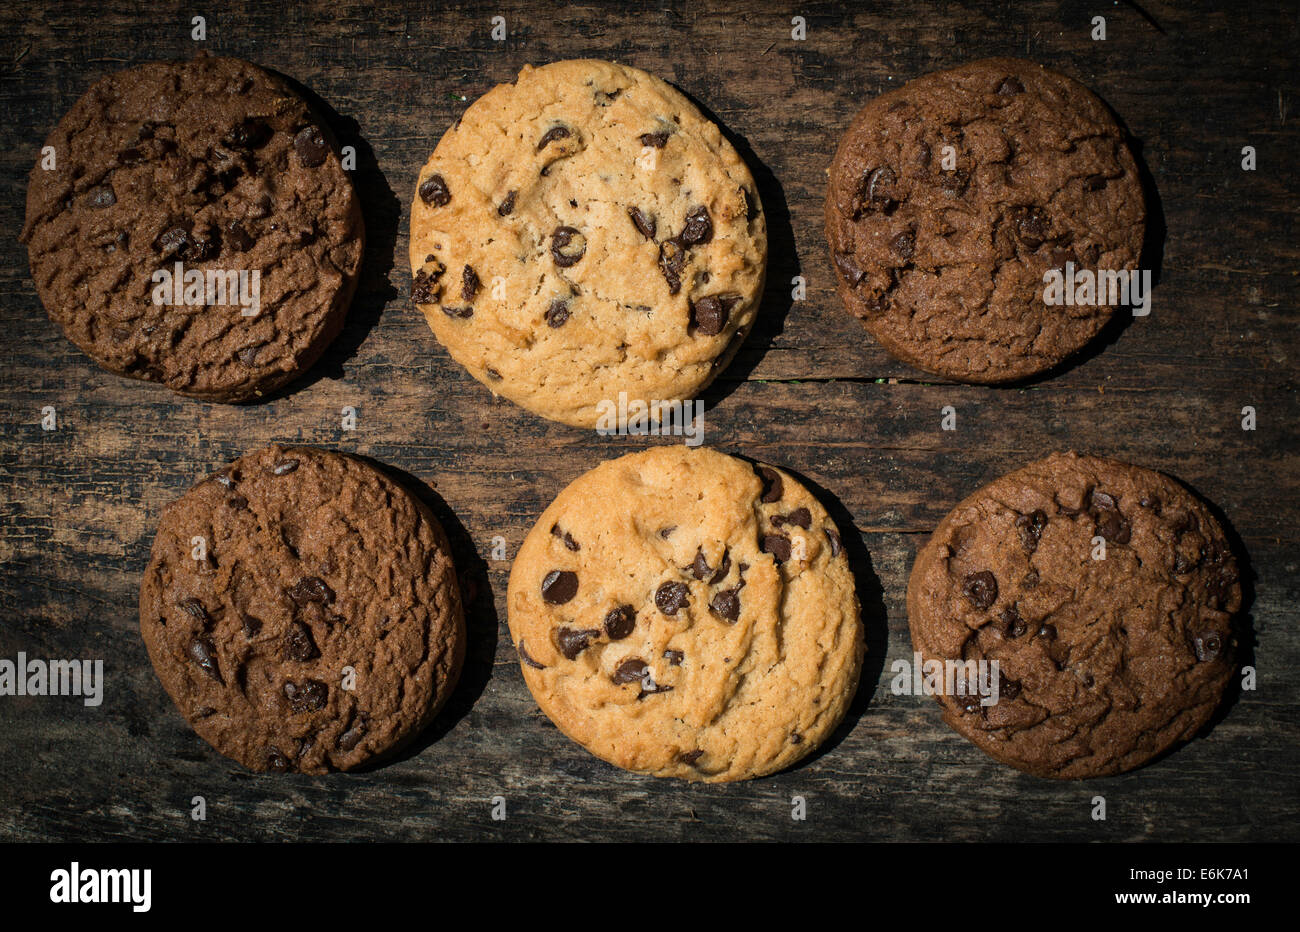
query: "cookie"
585, 231
1107, 658
683, 613
302, 611
944, 263
218, 167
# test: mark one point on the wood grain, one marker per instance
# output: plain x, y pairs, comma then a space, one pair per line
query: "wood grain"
809, 390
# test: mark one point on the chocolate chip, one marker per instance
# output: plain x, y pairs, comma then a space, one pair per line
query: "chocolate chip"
701, 566
1030, 528
630, 671
672, 597
248, 134
299, 644
552, 134
174, 241
674, 657
311, 589
836, 545
968, 702
849, 268
194, 608
800, 517
1207, 646
620, 622
954, 183
508, 205
523, 655
1047, 632
284, 467
778, 545
723, 569
672, 259
690, 757
565, 537
1094, 182
469, 283
1151, 503
458, 313
773, 487
1110, 523
904, 244
236, 237
726, 605
1010, 86
352, 737
311, 696
567, 246
1007, 688
434, 190
559, 586
424, 286
1013, 626
1032, 226
654, 140
252, 626
667, 532
573, 641
709, 314
981, 589
277, 762
101, 196
876, 190
699, 227
645, 224
205, 655
649, 687
558, 313
311, 146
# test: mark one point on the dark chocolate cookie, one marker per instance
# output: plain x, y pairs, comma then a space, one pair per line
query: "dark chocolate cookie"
219, 166
302, 611
944, 263
1104, 662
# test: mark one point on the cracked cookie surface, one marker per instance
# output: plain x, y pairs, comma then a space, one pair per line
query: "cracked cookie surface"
311, 562
944, 263
1105, 663
585, 231
218, 165
688, 614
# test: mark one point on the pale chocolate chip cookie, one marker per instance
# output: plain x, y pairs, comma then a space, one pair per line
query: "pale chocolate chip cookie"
302, 611
585, 231
684, 613
1105, 592
951, 196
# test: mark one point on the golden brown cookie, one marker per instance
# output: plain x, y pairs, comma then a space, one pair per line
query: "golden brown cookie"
585, 231
684, 613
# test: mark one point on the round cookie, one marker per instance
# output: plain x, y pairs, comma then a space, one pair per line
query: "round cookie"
686, 614
217, 165
944, 263
585, 231
310, 563
1104, 663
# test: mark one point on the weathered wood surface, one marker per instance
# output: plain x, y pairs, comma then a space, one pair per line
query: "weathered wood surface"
809, 390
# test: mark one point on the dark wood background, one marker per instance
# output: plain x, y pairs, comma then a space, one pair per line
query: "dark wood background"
809, 390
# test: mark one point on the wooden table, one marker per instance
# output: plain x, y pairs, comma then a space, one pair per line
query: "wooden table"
810, 390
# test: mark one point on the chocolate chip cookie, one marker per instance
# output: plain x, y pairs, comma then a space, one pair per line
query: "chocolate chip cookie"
302, 611
1105, 592
213, 169
950, 197
585, 231
686, 614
